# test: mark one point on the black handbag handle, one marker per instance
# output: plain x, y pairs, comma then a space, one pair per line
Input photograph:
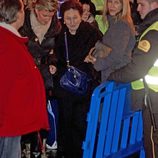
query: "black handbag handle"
66, 48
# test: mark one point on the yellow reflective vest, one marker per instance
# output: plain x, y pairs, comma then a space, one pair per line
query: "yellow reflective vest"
152, 77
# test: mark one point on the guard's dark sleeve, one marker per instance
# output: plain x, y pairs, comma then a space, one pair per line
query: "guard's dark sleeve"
141, 61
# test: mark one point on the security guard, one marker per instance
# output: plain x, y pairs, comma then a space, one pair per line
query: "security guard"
144, 64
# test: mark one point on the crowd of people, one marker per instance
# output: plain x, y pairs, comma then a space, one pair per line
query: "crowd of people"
33, 59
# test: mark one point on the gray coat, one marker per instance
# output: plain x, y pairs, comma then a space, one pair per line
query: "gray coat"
120, 38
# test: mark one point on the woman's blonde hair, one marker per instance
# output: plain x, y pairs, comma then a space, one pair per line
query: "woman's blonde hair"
125, 13
50, 5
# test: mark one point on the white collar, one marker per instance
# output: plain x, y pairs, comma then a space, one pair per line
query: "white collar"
10, 28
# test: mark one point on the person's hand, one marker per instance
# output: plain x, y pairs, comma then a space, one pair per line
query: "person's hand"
89, 58
52, 69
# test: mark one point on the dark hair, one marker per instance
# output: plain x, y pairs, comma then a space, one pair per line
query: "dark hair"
91, 5
70, 4
9, 10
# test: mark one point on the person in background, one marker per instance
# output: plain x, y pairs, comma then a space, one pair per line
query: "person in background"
135, 15
99, 8
25, 2
115, 48
144, 64
89, 12
41, 26
81, 36
28, 4
22, 93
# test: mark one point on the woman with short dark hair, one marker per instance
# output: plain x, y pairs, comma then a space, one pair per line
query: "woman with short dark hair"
81, 36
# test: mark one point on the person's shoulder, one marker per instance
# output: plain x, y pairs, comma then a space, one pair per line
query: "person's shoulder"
151, 35
118, 26
5, 34
89, 28
3, 39
123, 23
150, 32
122, 26
148, 42
85, 25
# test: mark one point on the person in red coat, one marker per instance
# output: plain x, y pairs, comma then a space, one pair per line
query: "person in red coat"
22, 92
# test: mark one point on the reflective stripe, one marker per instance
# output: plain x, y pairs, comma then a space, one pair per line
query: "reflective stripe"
156, 63
151, 80
153, 71
137, 85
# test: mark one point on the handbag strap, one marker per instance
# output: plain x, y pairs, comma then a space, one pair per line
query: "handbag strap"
147, 102
66, 49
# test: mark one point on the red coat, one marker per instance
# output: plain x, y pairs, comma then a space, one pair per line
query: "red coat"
22, 92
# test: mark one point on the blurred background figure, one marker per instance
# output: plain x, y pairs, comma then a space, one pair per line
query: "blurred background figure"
89, 12
135, 15
42, 26
28, 3
99, 10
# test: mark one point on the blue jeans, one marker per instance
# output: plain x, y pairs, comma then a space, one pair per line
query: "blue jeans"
10, 147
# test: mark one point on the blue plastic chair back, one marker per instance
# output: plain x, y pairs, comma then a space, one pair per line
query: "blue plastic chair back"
113, 131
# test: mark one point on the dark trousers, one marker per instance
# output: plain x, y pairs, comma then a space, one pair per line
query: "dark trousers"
147, 125
138, 103
148, 144
72, 124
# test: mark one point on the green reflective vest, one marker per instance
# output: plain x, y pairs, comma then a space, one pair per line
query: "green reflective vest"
99, 18
152, 77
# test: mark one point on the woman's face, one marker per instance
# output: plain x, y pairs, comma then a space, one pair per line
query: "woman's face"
114, 7
86, 12
44, 16
72, 20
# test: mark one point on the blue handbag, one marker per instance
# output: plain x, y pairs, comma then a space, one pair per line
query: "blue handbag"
73, 80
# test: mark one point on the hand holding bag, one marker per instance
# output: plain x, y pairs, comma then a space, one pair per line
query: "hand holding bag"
73, 80
101, 50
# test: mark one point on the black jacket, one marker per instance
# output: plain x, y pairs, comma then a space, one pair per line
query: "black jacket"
79, 46
42, 53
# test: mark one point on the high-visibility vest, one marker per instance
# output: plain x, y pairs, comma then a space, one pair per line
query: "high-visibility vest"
152, 77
